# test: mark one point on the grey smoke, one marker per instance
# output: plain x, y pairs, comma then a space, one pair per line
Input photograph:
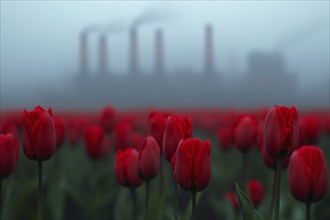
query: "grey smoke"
155, 14
90, 28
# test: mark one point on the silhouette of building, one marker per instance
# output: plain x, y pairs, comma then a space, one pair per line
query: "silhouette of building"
266, 81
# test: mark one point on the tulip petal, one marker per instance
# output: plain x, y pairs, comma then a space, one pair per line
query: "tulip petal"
149, 158
132, 167
184, 164
120, 168
8, 154
320, 183
44, 137
202, 164
300, 177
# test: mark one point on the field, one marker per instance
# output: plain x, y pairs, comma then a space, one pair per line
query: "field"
76, 186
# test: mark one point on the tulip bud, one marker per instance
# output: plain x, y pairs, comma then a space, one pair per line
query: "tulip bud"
309, 130
271, 161
149, 158
308, 176
96, 144
123, 131
225, 138
136, 140
8, 127
193, 164
127, 168
268, 160
176, 129
156, 125
60, 131
107, 118
246, 132
231, 197
39, 137
256, 191
8, 154
74, 131
281, 132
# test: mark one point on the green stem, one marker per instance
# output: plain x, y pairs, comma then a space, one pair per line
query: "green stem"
175, 200
161, 187
39, 190
308, 210
193, 213
134, 212
273, 196
0, 198
244, 168
147, 199
277, 189
161, 177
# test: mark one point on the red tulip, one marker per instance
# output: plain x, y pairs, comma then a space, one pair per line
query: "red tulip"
39, 137
281, 131
309, 130
246, 132
231, 197
193, 164
123, 131
74, 131
127, 168
136, 140
308, 176
8, 154
268, 160
149, 158
8, 127
96, 144
176, 129
271, 161
225, 138
107, 118
60, 131
256, 191
156, 125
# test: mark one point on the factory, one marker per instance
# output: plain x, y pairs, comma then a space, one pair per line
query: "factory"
265, 82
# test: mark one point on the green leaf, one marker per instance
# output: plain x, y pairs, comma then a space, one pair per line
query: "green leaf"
257, 216
246, 206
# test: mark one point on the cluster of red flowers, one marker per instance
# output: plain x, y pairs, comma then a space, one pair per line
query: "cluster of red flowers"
140, 141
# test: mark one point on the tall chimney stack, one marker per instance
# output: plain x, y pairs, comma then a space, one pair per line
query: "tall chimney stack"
103, 54
83, 54
209, 67
159, 52
133, 52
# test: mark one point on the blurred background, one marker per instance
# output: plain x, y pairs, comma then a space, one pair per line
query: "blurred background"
84, 55
212, 60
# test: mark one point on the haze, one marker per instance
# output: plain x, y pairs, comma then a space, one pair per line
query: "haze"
40, 41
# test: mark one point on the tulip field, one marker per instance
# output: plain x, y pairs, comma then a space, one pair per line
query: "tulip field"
266, 163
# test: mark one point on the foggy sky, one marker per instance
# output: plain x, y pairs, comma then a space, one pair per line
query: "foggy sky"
39, 40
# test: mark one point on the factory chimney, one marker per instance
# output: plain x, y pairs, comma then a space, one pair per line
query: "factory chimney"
159, 52
209, 67
103, 54
83, 54
133, 52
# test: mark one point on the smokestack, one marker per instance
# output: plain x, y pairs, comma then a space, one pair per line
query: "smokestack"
209, 68
83, 54
103, 53
159, 52
133, 52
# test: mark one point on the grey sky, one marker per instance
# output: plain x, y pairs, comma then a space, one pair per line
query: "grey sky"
39, 40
